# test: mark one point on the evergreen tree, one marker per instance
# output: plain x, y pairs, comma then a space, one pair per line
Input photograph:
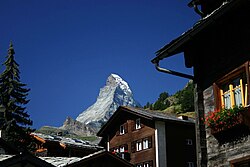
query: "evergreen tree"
147, 105
186, 98
162, 102
14, 119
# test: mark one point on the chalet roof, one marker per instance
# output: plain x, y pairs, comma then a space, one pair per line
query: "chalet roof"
65, 161
177, 45
155, 115
4, 157
147, 114
15, 160
60, 161
65, 141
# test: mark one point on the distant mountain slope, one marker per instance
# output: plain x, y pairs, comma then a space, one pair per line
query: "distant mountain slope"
115, 93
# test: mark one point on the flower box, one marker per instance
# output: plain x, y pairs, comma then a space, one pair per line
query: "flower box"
229, 124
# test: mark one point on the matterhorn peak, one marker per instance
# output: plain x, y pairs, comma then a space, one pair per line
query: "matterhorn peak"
115, 93
116, 80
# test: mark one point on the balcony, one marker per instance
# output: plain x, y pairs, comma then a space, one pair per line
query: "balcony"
124, 155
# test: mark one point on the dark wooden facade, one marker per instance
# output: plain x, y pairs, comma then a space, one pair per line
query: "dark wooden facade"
104, 159
129, 139
7, 148
54, 146
218, 49
164, 140
24, 159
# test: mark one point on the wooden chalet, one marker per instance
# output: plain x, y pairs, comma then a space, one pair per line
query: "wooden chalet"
217, 47
52, 145
149, 138
7, 148
103, 159
24, 159
11, 157
98, 159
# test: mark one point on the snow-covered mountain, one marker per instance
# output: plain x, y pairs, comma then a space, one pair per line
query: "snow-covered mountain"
116, 92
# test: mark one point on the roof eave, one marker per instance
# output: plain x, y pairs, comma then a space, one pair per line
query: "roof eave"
104, 128
178, 43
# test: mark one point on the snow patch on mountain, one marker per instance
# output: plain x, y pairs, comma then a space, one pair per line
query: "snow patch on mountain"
115, 93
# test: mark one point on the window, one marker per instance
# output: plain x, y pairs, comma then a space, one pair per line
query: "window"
139, 165
145, 164
189, 141
232, 93
145, 143
138, 146
138, 123
141, 144
122, 130
190, 164
122, 149
232, 89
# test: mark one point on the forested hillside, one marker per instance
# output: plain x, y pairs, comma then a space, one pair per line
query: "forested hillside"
182, 102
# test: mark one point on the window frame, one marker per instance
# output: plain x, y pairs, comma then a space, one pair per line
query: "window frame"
241, 72
122, 129
138, 124
138, 145
189, 142
240, 161
145, 142
190, 164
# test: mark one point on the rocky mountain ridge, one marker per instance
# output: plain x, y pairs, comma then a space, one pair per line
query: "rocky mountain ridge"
115, 93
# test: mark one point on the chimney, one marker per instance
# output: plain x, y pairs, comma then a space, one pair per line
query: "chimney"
183, 117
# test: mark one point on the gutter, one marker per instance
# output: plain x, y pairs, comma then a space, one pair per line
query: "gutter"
171, 48
164, 70
175, 46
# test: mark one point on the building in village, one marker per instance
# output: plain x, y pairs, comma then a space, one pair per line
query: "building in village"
217, 47
59, 146
11, 157
150, 139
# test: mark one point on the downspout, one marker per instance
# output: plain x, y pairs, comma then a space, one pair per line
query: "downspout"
172, 72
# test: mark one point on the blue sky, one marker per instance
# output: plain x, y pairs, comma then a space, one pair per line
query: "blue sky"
66, 49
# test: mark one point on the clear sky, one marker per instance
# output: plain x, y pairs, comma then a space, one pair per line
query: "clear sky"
66, 49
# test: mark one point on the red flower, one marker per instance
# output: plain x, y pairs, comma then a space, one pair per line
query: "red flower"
224, 118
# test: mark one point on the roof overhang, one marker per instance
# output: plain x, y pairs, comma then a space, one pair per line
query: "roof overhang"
178, 45
115, 116
149, 115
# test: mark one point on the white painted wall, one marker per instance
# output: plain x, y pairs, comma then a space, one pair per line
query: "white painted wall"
160, 144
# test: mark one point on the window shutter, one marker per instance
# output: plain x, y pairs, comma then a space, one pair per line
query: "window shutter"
151, 163
142, 125
118, 132
149, 141
133, 125
126, 146
133, 144
126, 127
219, 102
